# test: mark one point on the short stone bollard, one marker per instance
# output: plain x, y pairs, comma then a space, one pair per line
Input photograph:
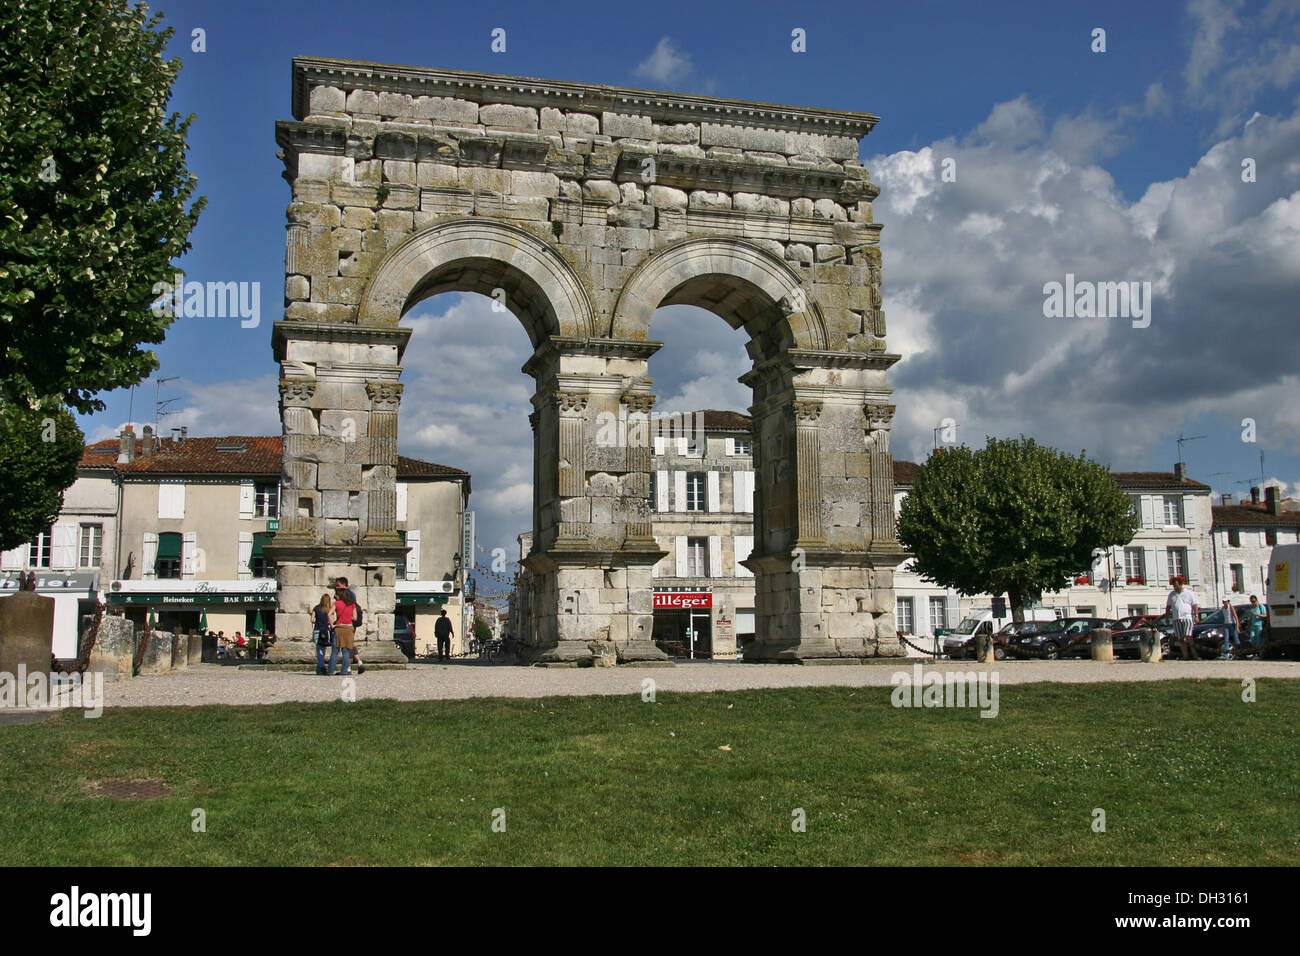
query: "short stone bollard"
1149, 646
114, 652
1102, 648
180, 651
196, 648
985, 653
157, 654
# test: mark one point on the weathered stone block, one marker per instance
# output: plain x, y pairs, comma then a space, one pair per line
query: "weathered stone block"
708, 199
601, 190
510, 117
327, 99
622, 125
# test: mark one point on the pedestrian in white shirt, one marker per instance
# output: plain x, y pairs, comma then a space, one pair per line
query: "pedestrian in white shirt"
1183, 610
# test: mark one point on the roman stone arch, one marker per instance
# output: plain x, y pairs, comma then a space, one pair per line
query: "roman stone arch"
481, 255
583, 209
745, 284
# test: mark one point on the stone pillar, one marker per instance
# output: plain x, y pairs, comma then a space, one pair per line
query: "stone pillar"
114, 652
26, 634
157, 657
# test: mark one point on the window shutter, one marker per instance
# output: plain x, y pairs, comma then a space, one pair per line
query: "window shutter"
714, 492
14, 558
679, 491
661, 491
401, 503
1149, 566
413, 556
731, 446
1162, 572
714, 569
1189, 511
681, 444
63, 549
245, 553
1193, 565
171, 499
1148, 512
149, 555
247, 492
659, 444
744, 545
682, 567
749, 491
188, 550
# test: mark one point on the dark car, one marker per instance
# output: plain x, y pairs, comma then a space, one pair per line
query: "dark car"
1208, 634
404, 636
1044, 639
1079, 631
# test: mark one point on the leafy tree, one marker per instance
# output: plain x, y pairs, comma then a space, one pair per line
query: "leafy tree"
94, 198
39, 451
1014, 517
482, 631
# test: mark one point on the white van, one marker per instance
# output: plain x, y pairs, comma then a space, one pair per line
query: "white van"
1283, 616
981, 620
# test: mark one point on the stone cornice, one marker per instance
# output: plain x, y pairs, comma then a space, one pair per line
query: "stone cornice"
796, 359
600, 347
297, 137
560, 94
285, 330
687, 172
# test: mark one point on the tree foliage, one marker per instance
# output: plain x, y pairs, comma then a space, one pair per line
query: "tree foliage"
1013, 517
39, 451
94, 198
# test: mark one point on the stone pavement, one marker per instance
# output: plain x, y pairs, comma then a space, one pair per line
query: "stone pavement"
212, 684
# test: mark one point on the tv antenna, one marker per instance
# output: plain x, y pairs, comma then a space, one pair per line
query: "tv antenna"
159, 404
1186, 438
945, 424
1258, 480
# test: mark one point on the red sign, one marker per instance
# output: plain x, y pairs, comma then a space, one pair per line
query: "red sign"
675, 600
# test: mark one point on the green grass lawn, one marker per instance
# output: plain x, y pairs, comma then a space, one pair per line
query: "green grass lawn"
1187, 773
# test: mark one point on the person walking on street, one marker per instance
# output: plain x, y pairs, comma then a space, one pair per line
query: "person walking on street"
1231, 640
344, 630
322, 630
443, 632
1183, 609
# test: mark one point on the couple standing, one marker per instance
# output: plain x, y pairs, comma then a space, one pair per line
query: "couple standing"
334, 627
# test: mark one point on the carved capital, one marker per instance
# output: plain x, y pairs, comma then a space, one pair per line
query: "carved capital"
807, 411
297, 391
384, 396
571, 401
638, 402
879, 416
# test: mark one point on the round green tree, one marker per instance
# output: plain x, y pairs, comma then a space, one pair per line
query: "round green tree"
95, 198
1014, 517
39, 451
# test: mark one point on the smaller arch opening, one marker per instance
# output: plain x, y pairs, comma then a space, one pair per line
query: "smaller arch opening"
516, 292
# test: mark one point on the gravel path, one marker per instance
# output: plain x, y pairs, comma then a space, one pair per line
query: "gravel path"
213, 684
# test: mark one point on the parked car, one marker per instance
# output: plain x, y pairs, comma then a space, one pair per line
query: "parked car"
1045, 639
961, 642
1208, 634
1079, 631
404, 636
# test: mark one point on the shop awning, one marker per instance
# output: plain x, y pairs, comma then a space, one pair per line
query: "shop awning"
260, 538
169, 547
193, 598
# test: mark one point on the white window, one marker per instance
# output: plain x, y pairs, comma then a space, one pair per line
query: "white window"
697, 565
171, 499
938, 613
1177, 558
39, 552
1133, 569
744, 545
743, 446
1238, 572
266, 500
1135, 609
695, 491
903, 615
1173, 511
92, 545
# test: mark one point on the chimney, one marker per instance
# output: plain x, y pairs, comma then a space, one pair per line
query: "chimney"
1254, 495
146, 441
1180, 471
1227, 499
126, 446
185, 432
1272, 501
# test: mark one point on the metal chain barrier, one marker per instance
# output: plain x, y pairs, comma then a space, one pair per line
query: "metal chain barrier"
918, 647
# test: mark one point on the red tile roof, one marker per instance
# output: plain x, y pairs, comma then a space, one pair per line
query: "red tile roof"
715, 420
257, 455
1234, 516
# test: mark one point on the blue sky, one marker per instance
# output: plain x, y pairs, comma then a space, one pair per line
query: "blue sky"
1112, 166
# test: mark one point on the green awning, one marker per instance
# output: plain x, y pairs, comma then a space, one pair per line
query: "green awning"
260, 538
169, 547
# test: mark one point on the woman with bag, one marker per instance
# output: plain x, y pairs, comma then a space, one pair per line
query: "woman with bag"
344, 630
322, 632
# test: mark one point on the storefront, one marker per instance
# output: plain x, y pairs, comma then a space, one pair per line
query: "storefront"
683, 621
421, 609
75, 595
223, 606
